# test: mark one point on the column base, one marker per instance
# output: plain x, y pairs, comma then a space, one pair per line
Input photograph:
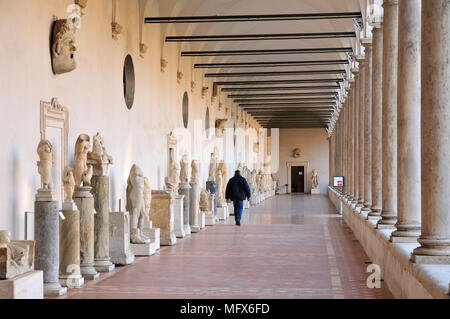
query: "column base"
54, 289
422, 259
125, 259
187, 229
71, 281
195, 229
180, 233
402, 239
89, 273
104, 265
385, 226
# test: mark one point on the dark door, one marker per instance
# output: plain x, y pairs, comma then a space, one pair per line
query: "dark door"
297, 179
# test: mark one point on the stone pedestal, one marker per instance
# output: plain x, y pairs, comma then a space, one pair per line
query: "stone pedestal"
119, 238
194, 207
184, 189
85, 203
230, 209
46, 235
315, 191
210, 219
100, 191
211, 186
69, 249
26, 286
154, 234
202, 219
162, 216
222, 212
178, 214
143, 249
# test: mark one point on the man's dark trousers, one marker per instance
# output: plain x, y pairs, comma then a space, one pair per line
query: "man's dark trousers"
238, 208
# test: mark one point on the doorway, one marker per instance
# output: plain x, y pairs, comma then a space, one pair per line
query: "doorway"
298, 179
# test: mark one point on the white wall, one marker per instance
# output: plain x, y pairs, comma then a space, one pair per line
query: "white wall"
313, 143
93, 94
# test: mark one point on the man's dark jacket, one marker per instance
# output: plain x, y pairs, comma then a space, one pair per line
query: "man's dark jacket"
237, 188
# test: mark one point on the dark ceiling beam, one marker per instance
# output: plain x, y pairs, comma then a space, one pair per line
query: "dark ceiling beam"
282, 88
324, 99
287, 113
247, 105
259, 17
269, 109
296, 81
272, 73
327, 94
291, 126
266, 52
269, 64
260, 37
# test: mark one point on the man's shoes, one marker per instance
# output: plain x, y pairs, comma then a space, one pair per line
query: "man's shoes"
238, 223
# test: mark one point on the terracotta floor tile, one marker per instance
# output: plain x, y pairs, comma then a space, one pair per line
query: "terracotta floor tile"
289, 246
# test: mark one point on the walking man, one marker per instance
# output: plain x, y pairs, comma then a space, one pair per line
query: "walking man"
237, 191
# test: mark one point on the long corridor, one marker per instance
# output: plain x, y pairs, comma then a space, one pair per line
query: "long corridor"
289, 246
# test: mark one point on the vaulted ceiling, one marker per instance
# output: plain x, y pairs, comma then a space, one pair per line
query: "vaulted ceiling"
283, 61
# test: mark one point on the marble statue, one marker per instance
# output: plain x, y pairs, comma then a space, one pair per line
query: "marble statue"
253, 182
315, 178
45, 164
81, 171
16, 257
172, 180
296, 153
220, 192
259, 181
195, 172
240, 167
99, 151
135, 205
223, 168
68, 184
116, 29
63, 47
184, 170
212, 167
220, 125
147, 196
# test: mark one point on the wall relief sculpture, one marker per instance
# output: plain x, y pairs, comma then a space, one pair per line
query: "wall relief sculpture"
63, 47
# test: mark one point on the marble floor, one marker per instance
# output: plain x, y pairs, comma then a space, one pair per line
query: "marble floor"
289, 246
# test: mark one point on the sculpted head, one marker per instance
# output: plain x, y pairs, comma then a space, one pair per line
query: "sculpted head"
296, 153
63, 47
98, 144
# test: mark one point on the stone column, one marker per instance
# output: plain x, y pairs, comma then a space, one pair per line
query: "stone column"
85, 203
408, 128
69, 249
100, 191
348, 143
435, 134
46, 235
368, 126
389, 116
377, 94
355, 176
184, 189
361, 110
350, 140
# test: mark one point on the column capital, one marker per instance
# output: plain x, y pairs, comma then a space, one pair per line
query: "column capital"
366, 42
360, 58
390, 3
354, 71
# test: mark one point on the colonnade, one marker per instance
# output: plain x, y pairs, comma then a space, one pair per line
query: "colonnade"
392, 138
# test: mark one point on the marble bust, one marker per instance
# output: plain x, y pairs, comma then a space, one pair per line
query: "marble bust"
45, 164
204, 196
16, 257
135, 205
63, 47
296, 153
99, 157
